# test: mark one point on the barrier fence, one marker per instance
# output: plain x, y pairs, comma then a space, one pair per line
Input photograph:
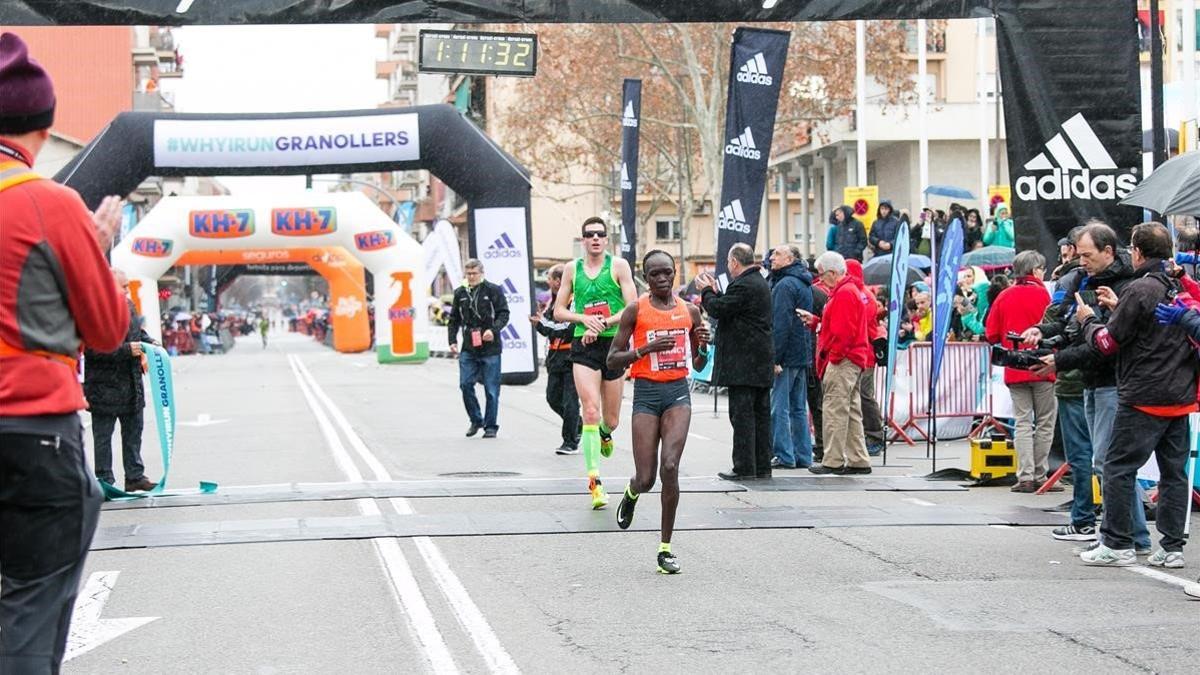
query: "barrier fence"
965, 398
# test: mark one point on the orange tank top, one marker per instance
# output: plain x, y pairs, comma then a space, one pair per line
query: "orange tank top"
652, 323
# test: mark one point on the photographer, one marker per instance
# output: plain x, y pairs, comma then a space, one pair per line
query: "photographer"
1157, 373
1016, 309
1100, 264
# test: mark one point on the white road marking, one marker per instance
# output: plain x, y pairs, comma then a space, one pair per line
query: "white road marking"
404, 585
1160, 576
467, 612
918, 502
698, 436
1002, 527
202, 420
88, 630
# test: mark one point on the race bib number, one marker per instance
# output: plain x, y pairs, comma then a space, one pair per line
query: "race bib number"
599, 308
675, 358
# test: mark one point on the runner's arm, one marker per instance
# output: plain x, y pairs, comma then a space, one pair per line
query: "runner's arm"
562, 301
699, 337
624, 278
620, 356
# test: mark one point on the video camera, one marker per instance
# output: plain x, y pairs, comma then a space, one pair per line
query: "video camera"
1024, 359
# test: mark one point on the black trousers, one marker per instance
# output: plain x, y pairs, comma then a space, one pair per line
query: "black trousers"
49, 505
1136, 435
750, 415
872, 418
560, 394
815, 396
131, 444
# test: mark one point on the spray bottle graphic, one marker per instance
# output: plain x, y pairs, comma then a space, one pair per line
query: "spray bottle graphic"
401, 316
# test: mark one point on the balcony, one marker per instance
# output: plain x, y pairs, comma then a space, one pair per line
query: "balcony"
383, 30
384, 69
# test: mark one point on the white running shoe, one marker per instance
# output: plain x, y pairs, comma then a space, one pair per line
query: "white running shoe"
1103, 556
1161, 558
1192, 590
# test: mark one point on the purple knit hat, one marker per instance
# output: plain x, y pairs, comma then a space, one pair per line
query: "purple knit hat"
26, 93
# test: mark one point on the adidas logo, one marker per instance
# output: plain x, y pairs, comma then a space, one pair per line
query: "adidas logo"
629, 119
626, 184
754, 71
511, 293
1084, 168
503, 247
733, 219
743, 146
512, 339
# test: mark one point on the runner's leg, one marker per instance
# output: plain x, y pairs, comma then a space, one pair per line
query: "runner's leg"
587, 384
612, 392
673, 426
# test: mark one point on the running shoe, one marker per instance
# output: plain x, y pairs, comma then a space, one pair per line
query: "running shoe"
625, 510
1072, 533
1192, 590
599, 497
1161, 558
1103, 556
565, 449
667, 564
606, 444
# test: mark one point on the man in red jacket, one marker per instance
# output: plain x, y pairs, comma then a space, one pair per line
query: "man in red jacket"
843, 353
56, 292
1016, 309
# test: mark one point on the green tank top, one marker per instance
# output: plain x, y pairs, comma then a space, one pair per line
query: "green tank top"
600, 296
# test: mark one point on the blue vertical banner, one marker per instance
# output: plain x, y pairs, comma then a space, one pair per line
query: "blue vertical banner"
946, 280
896, 286
755, 79
631, 112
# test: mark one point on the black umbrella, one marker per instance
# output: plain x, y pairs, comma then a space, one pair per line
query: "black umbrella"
881, 275
1173, 188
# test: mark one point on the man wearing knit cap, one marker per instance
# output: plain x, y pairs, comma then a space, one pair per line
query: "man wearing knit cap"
56, 293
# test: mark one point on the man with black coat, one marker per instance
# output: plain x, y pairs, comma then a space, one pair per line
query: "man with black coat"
481, 311
745, 359
112, 385
851, 235
1101, 263
884, 229
560, 380
1157, 372
791, 289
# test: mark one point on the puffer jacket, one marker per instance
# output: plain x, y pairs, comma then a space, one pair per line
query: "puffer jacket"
791, 289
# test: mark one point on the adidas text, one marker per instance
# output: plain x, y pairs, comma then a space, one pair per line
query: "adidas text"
502, 253
1081, 184
733, 225
629, 121
755, 78
742, 151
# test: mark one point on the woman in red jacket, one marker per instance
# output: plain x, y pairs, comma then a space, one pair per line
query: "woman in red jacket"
1016, 309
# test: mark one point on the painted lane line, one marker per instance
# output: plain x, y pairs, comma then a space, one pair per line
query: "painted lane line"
465, 609
698, 436
918, 502
1160, 576
88, 630
404, 585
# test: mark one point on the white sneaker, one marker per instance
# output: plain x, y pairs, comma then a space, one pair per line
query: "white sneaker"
1103, 556
1192, 590
1161, 558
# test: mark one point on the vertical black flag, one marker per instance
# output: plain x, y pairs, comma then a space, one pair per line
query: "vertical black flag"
631, 111
755, 78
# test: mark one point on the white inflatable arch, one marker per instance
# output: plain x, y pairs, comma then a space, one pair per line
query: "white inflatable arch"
302, 220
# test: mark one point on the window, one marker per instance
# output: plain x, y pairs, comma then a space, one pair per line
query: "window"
667, 229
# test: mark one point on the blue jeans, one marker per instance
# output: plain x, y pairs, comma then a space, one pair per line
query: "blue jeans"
473, 368
1077, 445
789, 417
1101, 407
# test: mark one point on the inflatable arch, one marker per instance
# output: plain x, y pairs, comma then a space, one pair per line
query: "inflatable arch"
437, 138
337, 233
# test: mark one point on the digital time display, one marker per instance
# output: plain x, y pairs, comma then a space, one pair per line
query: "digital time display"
478, 53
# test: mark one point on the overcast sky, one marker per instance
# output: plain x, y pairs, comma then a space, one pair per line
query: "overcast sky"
234, 69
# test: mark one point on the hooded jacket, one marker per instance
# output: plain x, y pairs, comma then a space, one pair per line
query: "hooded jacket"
851, 236
884, 229
791, 289
1000, 231
1156, 365
1016, 309
845, 327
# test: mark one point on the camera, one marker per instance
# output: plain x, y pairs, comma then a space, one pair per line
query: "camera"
1024, 359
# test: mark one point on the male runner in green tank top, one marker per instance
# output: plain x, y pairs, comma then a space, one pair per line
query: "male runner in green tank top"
600, 287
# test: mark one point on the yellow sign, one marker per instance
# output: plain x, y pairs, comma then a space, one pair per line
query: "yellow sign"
864, 201
1000, 193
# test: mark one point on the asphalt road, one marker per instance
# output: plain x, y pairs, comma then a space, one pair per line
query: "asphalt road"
916, 598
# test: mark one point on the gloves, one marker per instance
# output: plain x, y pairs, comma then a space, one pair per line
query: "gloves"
1169, 315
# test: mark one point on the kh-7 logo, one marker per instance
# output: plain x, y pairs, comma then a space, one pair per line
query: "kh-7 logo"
152, 248
221, 224
304, 222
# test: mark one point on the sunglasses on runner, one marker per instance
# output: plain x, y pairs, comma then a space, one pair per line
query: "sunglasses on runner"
594, 235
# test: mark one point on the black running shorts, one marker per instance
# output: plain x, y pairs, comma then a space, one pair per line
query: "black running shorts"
656, 398
595, 356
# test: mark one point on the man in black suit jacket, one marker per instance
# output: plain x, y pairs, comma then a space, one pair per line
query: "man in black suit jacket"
745, 360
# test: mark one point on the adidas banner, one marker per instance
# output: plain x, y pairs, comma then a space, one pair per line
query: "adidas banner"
502, 244
1072, 116
755, 77
631, 108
